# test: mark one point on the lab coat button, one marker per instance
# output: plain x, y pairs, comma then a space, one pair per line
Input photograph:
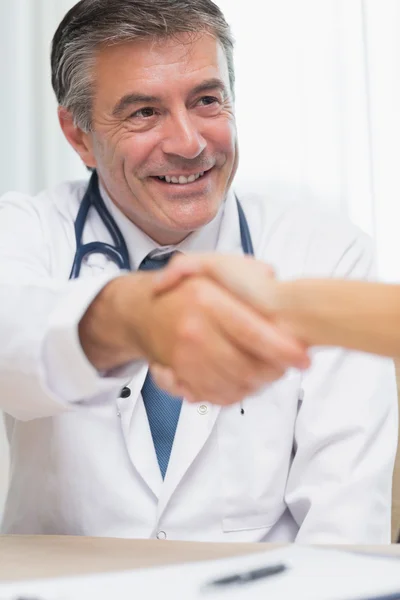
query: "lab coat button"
202, 410
125, 392
161, 535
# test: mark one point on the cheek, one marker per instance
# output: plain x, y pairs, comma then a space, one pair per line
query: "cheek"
222, 137
130, 150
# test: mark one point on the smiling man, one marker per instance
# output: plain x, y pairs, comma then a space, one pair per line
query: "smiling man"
251, 449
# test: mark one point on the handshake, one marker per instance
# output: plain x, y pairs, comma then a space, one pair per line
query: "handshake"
226, 321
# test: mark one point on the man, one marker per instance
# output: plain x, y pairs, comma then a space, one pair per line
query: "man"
145, 93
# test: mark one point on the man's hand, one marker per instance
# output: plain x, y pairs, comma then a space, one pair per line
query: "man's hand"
218, 349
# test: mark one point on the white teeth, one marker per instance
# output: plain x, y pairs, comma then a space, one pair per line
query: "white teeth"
182, 180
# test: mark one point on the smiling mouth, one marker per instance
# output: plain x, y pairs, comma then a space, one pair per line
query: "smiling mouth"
183, 179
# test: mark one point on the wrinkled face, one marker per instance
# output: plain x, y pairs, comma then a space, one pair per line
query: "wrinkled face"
164, 134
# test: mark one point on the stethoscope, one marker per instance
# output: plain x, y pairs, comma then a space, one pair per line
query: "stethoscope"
118, 251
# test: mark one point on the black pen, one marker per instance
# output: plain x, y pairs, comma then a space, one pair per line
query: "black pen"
248, 576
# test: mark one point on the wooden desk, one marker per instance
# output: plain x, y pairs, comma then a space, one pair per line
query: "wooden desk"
29, 557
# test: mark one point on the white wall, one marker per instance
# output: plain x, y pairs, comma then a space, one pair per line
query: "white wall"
33, 152
318, 107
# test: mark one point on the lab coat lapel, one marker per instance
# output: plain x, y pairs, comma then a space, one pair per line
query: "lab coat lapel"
134, 420
195, 424
137, 435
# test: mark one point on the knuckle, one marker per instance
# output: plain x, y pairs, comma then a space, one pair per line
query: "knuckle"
218, 399
231, 396
274, 374
238, 396
213, 393
249, 386
200, 293
190, 331
270, 271
250, 378
177, 260
244, 386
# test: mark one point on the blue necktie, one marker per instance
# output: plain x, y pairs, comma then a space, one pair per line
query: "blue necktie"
162, 409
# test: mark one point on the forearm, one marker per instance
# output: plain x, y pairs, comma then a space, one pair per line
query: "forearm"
109, 330
353, 314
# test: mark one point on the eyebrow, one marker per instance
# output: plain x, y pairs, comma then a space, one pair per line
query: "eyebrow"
210, 84
132, 98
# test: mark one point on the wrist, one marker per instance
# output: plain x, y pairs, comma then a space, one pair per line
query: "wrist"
131, 300
110, 330
292, 308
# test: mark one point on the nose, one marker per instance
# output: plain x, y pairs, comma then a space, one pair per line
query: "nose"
183, 137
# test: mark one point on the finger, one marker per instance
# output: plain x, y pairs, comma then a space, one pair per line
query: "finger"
178, 269
227, 374
210, 371
244, 276
211, 264
245, 375
250, 280
269, 271
166, 379
252, 333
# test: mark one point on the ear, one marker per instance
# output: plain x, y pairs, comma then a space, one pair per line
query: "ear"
79, 140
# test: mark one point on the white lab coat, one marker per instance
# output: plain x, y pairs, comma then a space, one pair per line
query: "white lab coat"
311, 459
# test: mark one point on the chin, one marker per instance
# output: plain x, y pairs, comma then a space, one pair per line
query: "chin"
189, 220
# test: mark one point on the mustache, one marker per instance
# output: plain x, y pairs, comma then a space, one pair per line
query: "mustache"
197, 165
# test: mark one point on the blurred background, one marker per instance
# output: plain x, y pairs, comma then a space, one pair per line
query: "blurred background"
318, 109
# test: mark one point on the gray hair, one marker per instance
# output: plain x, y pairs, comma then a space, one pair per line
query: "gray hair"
94, 23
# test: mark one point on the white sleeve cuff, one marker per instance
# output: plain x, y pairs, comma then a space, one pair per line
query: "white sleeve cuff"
68, 372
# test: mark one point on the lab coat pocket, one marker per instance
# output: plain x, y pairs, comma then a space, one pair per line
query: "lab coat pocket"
255, 450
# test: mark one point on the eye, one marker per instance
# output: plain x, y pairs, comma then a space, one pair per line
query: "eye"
143, 113
208, 101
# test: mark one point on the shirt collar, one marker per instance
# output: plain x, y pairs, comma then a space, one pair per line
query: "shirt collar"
140, 245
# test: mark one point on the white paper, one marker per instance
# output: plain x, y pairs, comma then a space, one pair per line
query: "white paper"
312, 574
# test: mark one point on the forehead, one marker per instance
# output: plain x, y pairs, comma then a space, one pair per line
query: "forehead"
160, 66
